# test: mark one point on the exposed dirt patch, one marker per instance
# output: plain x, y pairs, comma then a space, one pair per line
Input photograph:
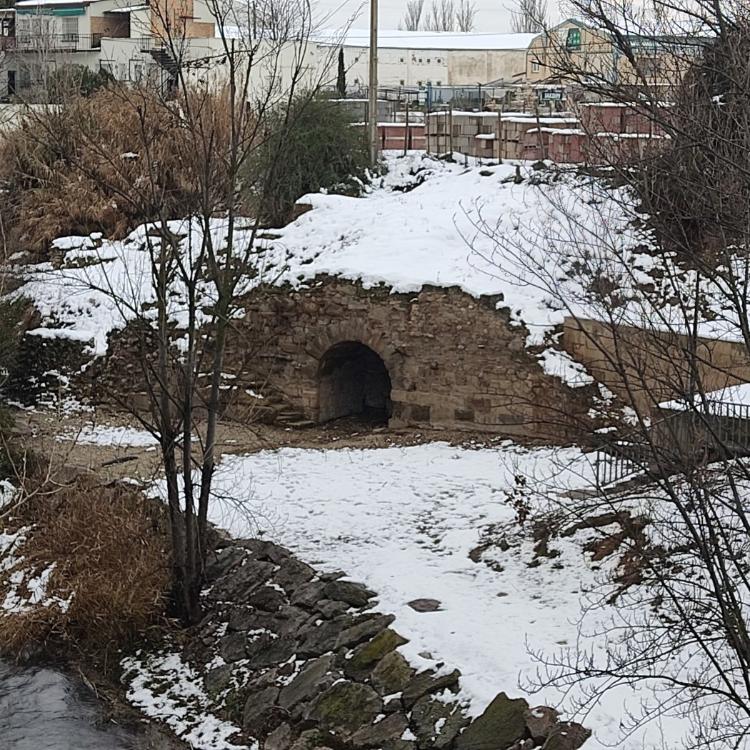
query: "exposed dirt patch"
61, 436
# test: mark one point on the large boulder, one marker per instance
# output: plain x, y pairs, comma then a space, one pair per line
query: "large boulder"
366, 626
436, 723
346, 707
389, 729
354, 594
308, 683
242, 581
233, 647
428, 682
539, 721
367, 655
323, 637
293, 574
260, 708
500, 726
279, 739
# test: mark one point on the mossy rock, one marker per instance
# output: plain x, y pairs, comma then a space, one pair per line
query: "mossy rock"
366, 656
392, 674
500, 726
345, 707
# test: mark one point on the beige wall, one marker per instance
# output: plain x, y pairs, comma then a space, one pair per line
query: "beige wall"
548, 51
647, 367
483, 66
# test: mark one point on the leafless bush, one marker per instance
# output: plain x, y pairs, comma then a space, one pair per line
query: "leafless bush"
529, 16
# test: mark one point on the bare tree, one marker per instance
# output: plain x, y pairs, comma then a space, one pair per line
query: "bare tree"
413, 15
181, 296
442, 16
651, 270
529, 16
466, 12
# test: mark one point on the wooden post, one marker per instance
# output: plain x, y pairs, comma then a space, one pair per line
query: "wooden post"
499, 135
406, 128
427, 126
372, 123
539, 132
450, 128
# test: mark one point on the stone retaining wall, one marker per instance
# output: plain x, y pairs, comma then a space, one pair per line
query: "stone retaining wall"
646, 367
454, 361
301, 661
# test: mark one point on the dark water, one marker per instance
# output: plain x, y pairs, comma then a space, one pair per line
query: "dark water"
43, 709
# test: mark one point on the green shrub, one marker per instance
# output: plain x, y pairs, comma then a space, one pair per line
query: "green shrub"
311, 145
76, 80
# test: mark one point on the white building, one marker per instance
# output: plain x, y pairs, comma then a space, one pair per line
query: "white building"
421, 58
46, 34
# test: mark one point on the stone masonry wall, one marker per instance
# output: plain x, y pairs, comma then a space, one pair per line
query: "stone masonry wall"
649, 366
301, 661
454, 360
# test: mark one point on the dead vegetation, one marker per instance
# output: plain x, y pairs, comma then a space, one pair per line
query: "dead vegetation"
109, 546
89, 166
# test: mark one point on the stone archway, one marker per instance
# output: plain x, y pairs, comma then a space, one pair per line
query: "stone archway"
353, 380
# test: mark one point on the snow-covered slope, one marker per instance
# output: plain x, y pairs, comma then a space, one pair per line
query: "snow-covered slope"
404, 521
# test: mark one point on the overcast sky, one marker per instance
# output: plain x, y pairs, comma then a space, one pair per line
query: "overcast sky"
492, 15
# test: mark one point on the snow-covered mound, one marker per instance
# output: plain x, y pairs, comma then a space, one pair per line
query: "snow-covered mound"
424, 222
546, 243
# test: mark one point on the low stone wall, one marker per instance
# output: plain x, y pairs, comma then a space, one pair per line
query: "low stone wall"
647, 367
300, 661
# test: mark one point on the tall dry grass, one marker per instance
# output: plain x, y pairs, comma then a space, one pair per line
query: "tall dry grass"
109, 162
110, 549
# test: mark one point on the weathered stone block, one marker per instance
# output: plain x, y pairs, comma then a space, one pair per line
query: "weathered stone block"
345, 707
392, 674
498, 728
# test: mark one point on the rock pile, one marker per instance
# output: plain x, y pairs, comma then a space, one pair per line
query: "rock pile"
302, 662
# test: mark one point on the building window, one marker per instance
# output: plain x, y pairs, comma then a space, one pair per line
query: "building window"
70, 29
438, 60
419, 83
535, 66
573, 40
420, 59
439, 83
428, 60
401, 59
401, 82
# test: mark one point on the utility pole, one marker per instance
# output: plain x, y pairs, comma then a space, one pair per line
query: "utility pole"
373, 90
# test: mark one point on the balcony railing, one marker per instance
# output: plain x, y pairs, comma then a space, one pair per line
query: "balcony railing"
57, 42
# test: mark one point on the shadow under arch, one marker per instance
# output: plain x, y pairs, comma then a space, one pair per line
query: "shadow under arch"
353, 381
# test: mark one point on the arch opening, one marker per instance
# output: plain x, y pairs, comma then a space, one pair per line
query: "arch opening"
353, 381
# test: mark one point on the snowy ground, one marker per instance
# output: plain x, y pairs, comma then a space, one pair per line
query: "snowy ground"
404, 520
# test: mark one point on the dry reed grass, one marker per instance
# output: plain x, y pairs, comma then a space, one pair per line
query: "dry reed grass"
109, 546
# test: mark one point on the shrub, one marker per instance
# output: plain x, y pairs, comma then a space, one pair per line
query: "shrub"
76, 80
109, 548
103, 163
322, 149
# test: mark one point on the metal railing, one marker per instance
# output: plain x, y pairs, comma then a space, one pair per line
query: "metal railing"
57, 42
716, 430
